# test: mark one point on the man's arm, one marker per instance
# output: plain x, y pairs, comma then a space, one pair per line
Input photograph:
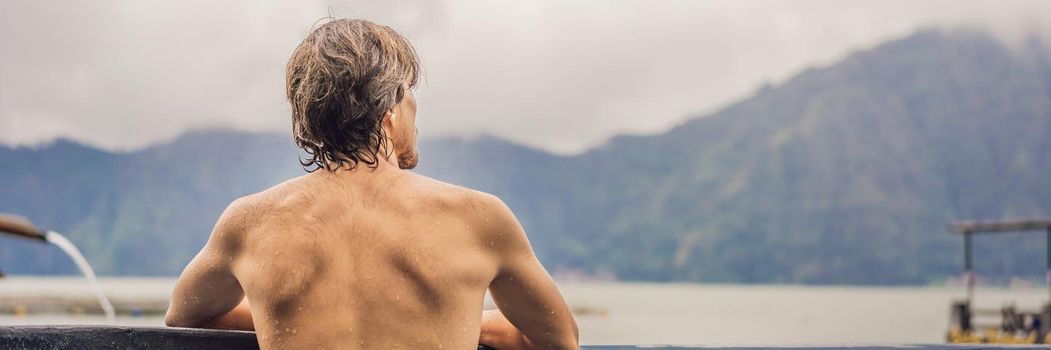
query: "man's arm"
532, 313
207, 295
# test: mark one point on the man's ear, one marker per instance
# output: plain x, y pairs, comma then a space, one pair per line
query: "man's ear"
388, 118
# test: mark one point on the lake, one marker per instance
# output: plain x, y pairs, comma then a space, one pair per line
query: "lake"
647, 313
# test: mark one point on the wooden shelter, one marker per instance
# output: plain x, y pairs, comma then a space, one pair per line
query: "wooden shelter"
1016, 326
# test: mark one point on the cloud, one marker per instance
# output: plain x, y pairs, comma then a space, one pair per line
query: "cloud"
125, 74
559, 75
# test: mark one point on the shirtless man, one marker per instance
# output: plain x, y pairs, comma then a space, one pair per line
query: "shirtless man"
359, 253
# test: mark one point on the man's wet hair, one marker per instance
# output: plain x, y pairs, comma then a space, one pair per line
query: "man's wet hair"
340, 82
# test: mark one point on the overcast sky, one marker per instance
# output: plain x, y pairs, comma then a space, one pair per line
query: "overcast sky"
559, 75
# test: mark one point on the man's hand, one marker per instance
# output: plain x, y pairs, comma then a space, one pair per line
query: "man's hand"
498, 333
240, 318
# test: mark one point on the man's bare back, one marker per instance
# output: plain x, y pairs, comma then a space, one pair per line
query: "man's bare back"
386, 259
359, 253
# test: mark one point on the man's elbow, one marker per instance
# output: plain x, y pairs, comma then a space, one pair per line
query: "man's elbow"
569, 344
172, 319
571, 340
568, 341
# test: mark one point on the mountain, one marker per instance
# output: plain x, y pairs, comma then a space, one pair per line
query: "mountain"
844, 174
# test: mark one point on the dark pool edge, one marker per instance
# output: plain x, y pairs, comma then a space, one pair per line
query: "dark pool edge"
121, 337
127, 337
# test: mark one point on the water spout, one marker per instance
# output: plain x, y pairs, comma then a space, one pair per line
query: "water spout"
85, 268
19, 226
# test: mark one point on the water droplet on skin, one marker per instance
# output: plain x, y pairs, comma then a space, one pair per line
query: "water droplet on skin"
439, 346
293, 331
490, 243
350, 330
397, 298
362, 342
552, 312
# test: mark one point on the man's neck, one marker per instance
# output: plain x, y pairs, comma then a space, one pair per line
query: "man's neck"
385, 161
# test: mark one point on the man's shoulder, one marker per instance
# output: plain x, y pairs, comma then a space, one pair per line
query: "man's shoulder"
486, 213
452, 195
240, 214
254, 201
248, 210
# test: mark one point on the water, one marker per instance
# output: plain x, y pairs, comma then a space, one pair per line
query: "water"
85, 268
645, 313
